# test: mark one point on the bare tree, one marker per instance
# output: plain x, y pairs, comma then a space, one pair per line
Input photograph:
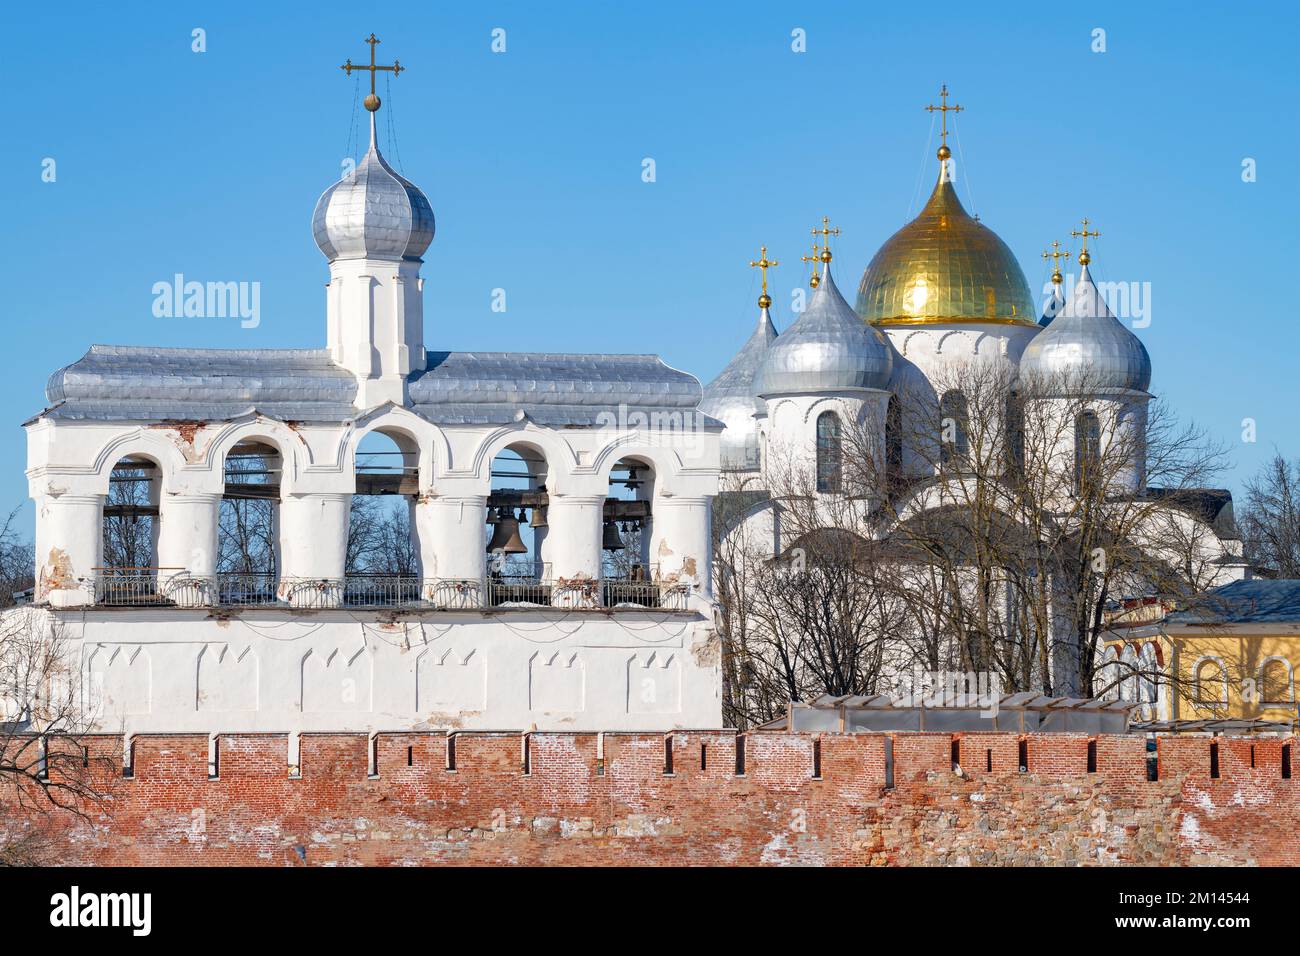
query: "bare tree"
1270, 520
17, 562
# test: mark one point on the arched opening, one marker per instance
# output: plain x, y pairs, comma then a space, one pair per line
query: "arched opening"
830, 455
1275, 683
894, 442
1014, 434
129, 571
382, 559
1210, 683
627, 567
954, 428
1087, 450
248, 529
516, 528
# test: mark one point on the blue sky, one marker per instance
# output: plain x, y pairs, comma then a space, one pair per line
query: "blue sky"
209, 164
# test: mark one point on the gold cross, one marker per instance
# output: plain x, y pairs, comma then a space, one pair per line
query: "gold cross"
814, 259
764, 263
1056, 255
826, 232
1084, 258
943, 111
372, 101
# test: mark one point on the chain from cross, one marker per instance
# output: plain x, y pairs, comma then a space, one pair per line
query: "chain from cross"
943, 110
372, 101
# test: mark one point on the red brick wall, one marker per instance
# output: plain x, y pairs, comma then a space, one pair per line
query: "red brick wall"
585, 801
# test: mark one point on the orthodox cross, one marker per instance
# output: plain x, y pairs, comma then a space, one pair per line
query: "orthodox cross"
1056, 255
814, 259
826, 232
943, 110
1084, 258
372, 101
764, 263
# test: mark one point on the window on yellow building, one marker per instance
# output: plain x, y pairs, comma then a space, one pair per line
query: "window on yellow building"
1275, 682
1211, 683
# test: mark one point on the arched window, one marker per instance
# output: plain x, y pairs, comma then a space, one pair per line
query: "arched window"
1014, 427
954, 428
1087, 450
893, 440
1275, 682
1211, 682
828, 452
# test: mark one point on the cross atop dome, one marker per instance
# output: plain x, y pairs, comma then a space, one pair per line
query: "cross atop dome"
1084, 258
372, 102
943, 110
764, 263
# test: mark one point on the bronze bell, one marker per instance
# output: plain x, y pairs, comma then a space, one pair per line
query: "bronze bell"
613, 541
539, 517
505, 536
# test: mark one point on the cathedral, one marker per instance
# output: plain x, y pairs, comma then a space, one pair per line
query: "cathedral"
196, 509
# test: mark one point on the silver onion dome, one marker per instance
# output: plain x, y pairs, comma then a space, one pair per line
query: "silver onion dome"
1086, 348
730, 399
373, 213
828, 348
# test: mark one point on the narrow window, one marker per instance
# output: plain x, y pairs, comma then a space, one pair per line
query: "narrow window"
1214, 760
955, 753
451, 751
85, 756
1286, 761
214, 758
740, 756
1087, 450
988, 761
817, 758
373, 759
1092, 756
1252, 756
1024, 756
527, 756
1014, 429
410, 756
954, 428
889, 763
828, 452
128, 759
893, 441
1153, 760
704, 757
668, 755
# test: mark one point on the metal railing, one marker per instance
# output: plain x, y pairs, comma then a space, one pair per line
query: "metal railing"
171, 587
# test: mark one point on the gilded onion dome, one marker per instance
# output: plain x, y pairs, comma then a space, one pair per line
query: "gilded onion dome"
730, 398
373, 213
1085, 349
944, 266
828, 348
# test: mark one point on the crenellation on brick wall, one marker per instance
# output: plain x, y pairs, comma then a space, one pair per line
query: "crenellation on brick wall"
573, 806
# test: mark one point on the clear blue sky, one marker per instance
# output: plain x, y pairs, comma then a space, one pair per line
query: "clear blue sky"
210, 164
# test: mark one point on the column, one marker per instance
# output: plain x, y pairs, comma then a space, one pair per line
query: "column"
70, 540
681, 542
573, 549
187, 548
313, 548
449, 530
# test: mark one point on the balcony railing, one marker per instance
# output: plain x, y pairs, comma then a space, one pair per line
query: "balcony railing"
172, 587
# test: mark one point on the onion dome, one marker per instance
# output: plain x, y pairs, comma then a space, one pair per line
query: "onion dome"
730, 398
828, 348
944, 266
1085, 348
373, 213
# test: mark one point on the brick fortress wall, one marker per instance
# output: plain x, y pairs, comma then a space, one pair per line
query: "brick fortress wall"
687, 798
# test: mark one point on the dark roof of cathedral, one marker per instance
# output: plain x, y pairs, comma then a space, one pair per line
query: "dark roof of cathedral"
131, 383
1256, 601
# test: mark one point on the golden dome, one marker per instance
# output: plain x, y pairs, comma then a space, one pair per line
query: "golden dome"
944, 266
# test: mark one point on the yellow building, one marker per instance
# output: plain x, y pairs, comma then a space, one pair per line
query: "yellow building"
1232, 655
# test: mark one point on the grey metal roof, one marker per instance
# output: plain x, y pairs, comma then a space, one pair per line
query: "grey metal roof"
123, 382
373, 212
829, 347
113, 383
1256, 601
730, 398
1085, 346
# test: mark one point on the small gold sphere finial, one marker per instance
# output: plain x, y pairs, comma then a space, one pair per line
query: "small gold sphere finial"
825, 256
371, 102
1084, 258
815, 281
764, 301
944, 152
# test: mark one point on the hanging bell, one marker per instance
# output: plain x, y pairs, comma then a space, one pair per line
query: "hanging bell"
612, 542
505, 537
539, 517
